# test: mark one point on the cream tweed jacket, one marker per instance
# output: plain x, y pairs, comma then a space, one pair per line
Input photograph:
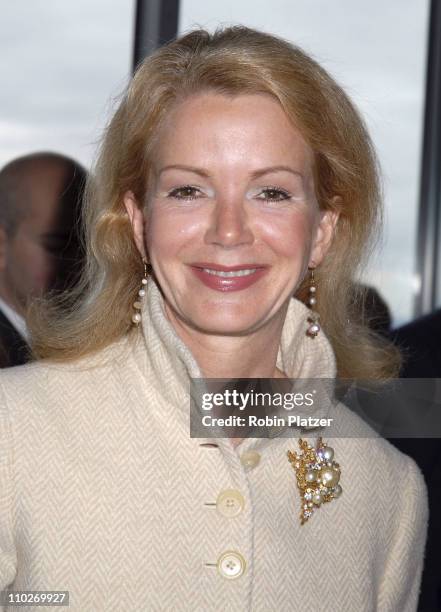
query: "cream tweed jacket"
104, 494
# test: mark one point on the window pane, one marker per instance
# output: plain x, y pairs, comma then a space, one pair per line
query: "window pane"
377, 52
61, 63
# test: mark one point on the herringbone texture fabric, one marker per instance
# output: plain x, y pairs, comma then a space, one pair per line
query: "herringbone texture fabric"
104, 494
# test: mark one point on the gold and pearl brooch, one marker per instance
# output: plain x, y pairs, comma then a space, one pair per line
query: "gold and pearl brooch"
318, 476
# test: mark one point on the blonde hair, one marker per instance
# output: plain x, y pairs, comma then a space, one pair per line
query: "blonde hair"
231, 61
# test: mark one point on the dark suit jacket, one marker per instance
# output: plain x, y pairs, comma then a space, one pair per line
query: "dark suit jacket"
14, 350
420, 341
421, 344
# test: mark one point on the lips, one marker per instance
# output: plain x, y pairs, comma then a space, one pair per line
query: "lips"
228, 278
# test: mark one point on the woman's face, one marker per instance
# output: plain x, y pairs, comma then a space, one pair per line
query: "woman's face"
231, 221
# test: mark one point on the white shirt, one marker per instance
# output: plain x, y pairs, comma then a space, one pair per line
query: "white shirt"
15, 319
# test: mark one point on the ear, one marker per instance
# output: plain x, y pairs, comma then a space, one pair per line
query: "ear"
137, 221
324, 233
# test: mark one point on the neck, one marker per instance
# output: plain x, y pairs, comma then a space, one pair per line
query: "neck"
250, 356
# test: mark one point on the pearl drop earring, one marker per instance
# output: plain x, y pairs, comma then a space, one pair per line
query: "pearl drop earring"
136, 318
314, 317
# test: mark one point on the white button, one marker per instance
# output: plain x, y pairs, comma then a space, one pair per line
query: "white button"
231, 564
230, 503
250, 459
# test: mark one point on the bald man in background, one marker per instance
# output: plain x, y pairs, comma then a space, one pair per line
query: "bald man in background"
40, 240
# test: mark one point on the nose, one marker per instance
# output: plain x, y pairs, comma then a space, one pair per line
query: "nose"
229, 224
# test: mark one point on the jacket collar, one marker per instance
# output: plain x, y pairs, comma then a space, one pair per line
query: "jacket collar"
168, 364
299, 356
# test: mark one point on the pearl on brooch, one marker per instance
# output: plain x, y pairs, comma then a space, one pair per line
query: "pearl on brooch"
311, 476
317, 498
337, 491
329, 477
327, 453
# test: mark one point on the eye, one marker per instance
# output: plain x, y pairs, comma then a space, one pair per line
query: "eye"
274, 194
186, 192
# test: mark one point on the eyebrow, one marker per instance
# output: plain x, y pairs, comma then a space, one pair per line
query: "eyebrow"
255, 174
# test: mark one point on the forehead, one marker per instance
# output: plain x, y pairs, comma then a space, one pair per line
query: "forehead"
242, 130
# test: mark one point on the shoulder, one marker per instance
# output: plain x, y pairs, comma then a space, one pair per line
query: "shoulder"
37, 384
426, 323
365, 444
387, 484
420, 332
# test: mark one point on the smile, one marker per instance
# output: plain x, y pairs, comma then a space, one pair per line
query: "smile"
230, 273
235, 279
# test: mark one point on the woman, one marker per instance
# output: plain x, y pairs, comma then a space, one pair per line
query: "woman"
234, 175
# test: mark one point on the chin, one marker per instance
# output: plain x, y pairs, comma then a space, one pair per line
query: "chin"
226, 319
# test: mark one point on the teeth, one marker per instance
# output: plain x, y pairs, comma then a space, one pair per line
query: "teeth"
230, 274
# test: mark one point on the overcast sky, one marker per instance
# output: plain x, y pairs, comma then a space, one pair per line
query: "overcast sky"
61, 63
64, 63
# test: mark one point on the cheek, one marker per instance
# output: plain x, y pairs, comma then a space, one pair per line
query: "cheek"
32, 266
43, 269
168, 232
289, 235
